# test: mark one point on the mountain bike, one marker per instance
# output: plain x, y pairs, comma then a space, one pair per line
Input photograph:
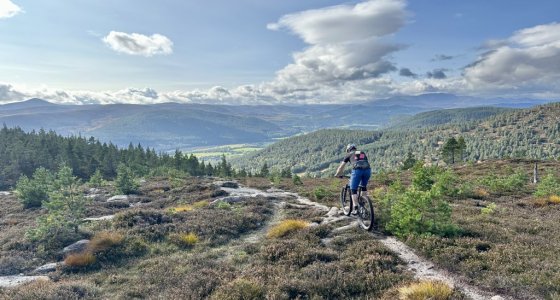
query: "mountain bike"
365, 208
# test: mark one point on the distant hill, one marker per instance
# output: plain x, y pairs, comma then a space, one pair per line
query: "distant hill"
169, 126
528, 133
449, 116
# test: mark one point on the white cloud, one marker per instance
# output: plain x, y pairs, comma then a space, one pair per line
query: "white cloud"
139, 44
530, 58
8, 9
347, 43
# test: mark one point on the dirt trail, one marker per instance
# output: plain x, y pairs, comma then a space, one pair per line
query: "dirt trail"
422, 268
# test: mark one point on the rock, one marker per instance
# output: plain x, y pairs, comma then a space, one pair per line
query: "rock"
118, 198
228, 199
230, 184
5, 193
13, 281
102, 218
218, 193
77, 247
497, 298
94, 191
48, 268
95, 197
333, 212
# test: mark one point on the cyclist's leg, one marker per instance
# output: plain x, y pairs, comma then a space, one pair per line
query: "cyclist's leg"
354, 182
364, 179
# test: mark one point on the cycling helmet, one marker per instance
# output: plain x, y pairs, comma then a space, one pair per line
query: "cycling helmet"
350, 147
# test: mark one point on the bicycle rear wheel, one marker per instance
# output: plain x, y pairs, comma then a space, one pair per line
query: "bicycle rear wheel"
365, 214
345, 201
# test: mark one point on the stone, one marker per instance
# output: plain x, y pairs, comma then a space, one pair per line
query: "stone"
228, 199
95, 197
13, 281
77, 247
497, 298
118, 198
230, 184
48, 268
333, 212
94, 191
5, 193
102, 218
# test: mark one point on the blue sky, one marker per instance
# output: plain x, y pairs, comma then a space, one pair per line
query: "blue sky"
255, 51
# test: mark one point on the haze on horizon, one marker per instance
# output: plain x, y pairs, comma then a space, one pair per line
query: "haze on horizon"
276, 52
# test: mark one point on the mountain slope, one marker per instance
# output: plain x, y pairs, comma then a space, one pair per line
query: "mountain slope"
531, 133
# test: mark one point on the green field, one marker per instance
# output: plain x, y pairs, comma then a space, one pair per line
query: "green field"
234, 150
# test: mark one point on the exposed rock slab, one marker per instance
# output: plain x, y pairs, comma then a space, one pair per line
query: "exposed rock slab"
17, 280
77, 247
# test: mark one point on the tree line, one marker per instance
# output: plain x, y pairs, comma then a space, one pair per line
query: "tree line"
21, 153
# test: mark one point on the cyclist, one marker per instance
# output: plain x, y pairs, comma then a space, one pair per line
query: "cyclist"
361, 172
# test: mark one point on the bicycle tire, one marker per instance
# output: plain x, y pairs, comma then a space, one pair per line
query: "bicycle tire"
344, 201
366, 216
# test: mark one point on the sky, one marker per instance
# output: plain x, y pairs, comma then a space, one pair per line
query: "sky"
276, 52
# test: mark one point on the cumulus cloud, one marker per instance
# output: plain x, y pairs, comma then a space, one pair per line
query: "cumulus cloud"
406, 72
529, 58
8, 9
346, 43
436, 74
139, 44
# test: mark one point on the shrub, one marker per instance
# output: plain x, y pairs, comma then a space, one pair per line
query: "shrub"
420, 208
96, 180
320, 193
296, 180
433, 290
285, 227
79, 260
125, 182
554, 199
65, 211
223, 205
488, 210
184, 239
505, 184
548, 186
33, 192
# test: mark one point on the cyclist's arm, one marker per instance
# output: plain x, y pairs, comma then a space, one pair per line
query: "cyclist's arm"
340, 170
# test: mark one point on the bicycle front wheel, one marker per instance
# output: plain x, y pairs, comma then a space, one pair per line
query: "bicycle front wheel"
365, 214
345, 201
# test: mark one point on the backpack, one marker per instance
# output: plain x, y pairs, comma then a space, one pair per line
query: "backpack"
361, 161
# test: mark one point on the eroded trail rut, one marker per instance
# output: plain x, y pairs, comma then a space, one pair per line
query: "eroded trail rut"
422, 268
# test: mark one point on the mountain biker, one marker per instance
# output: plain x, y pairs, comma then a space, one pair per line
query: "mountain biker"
361, 172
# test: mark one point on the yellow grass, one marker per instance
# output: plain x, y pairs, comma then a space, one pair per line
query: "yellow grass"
182, 208
481, 193
200, 204
184, 239
104, 240
79, 259
554, 199
285, 227
433, 290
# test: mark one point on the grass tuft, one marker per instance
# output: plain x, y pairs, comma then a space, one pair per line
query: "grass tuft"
182, 208
104, 240
554, 199
433, 290
285, 227
184, 239
79, 260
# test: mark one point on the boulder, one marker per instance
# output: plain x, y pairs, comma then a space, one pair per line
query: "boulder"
5, 193
95, 197
228, 199
77, 247
230, 184
118, 198
13, 281
94, 191
102, 218
48, 268
333, 212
